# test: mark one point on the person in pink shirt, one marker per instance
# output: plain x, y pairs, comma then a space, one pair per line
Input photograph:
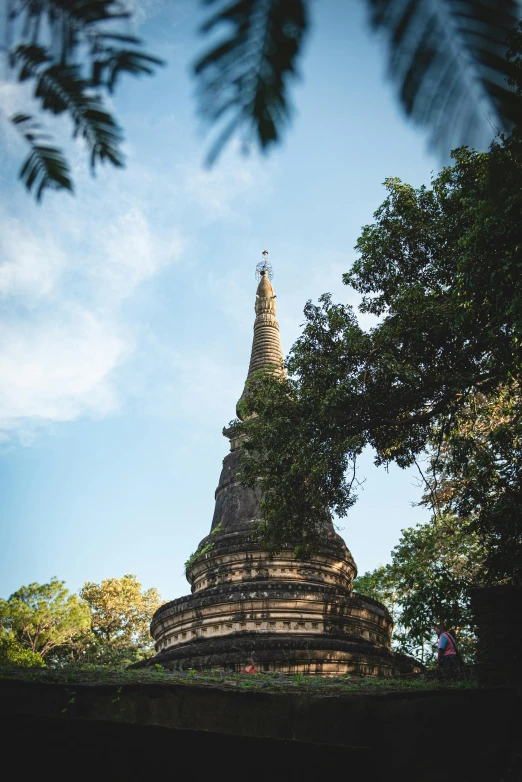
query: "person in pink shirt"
448, 656
250, 667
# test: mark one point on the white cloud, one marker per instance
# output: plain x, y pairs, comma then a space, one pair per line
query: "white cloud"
130, 251
57, 368
65, 270
67, 267
30, 265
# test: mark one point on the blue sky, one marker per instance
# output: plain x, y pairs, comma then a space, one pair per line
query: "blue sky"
127, 311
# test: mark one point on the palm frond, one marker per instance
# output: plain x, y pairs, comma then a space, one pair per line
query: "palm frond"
113, 62
68, 23
448, 59
60, 88
73, 23
46, 166
74, 54
242, 79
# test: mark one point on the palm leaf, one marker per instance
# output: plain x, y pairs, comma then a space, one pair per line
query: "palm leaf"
74, 54
75, 22
60, 88
448, 59
46, 166
107, 69
242, 80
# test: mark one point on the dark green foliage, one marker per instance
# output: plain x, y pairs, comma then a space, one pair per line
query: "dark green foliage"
434, 567
442, 268
295, 443
73, 54
475, 472
243, 78
201, 550
379, 585
448, 60
14, 653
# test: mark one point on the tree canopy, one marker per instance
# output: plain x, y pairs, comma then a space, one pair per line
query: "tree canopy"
120, 618
43, 617
13, 653
433, 569
441, 268
106, 624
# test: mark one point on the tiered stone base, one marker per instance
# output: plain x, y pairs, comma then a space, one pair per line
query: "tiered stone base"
288, 615
290, 627
303, 654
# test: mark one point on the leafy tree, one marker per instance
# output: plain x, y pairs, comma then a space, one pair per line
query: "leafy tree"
120, 618
441, 268
476, 465
447, 59
42, 618
74, 53
433, 569
12, 652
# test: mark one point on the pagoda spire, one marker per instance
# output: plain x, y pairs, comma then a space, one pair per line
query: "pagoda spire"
267, 352
292, 616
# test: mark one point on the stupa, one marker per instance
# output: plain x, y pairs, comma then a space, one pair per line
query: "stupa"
287, 615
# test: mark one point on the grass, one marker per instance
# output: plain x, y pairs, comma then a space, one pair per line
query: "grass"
274, 682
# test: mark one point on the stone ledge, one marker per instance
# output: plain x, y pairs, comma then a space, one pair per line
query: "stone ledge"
387, 722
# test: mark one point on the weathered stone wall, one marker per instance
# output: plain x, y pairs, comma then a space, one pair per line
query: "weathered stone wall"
124, 732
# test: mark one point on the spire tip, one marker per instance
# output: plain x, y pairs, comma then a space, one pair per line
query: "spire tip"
264, 267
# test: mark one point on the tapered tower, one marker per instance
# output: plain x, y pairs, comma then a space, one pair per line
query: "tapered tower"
288, 615
267, 352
